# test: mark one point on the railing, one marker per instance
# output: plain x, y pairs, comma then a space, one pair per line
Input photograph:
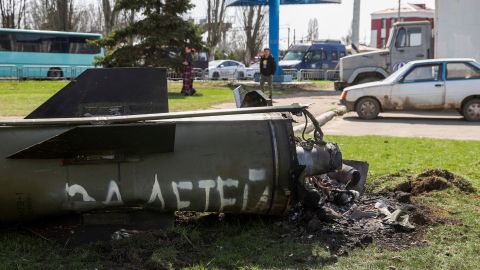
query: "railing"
291, 72
311, 74
43, 72
332, 75
13, 72
8, 72
300, 75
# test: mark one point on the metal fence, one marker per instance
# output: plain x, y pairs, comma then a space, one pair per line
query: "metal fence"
8, 72
297, 75
13, 72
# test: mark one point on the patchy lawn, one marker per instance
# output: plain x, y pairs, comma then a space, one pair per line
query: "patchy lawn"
323, 85
250, 242
21, 98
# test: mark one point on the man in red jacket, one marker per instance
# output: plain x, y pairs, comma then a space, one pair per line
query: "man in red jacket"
267, 70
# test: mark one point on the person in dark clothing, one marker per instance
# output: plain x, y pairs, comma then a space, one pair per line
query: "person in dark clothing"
267, 70
187, 88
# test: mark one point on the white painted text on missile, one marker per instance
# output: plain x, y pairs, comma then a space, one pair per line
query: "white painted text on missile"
114, 196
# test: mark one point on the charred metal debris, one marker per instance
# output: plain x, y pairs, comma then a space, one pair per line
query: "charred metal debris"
341, 184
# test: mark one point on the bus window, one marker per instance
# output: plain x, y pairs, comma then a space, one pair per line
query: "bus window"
56, 44
324, 55
5, 42
28, 42
81, 45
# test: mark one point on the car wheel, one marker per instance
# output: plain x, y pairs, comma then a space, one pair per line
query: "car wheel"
55, 73
241, 76
367, 108
471, 110
216, 76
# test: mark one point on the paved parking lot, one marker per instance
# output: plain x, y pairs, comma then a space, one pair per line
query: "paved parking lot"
442, 125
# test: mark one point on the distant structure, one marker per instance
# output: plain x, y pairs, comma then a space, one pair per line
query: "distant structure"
383, 20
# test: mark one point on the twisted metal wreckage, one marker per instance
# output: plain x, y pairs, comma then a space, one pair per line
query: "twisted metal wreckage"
245, 160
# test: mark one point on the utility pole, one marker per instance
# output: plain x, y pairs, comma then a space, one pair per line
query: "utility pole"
288, 39
399, 9
356, 26
294, 36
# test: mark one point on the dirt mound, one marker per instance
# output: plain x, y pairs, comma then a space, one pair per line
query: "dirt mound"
436, 179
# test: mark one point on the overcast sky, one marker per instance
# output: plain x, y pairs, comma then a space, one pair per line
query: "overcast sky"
334, 19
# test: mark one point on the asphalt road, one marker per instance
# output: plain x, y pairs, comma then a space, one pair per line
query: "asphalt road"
442, 125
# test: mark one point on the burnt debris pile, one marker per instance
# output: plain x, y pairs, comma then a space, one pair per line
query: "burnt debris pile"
391, 218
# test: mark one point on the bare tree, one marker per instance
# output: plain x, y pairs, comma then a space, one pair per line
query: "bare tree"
312, 32
12, 13
110, 15
253, 22
61, 15
88, 18
215, 26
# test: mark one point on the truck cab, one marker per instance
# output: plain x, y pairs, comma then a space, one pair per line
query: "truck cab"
318, 55
409, 41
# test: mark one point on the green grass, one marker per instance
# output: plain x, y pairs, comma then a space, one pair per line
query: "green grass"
450, 246
21, 98
323, 85
388, 155
257, 243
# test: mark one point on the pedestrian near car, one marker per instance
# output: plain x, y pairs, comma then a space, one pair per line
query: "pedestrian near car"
187, 88
267, 70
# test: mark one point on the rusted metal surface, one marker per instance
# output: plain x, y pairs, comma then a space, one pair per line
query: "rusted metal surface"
405, 103
237, 163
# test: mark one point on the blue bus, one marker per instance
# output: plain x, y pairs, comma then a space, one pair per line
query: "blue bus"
46, 54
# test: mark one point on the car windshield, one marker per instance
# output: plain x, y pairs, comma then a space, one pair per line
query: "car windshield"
476, 64
215, 63
294, 55
394, 76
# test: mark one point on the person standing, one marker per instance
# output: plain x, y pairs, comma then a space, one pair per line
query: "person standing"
267, 70
187, 88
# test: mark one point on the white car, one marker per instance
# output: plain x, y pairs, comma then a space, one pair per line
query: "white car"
438, 84
226, 69
252, 71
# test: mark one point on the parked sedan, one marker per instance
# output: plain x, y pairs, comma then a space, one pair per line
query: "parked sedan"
438, 84
252, 71
226, 69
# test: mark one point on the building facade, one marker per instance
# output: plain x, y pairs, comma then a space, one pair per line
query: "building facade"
383, 20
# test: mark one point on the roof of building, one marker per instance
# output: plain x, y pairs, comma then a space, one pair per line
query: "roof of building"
406, 10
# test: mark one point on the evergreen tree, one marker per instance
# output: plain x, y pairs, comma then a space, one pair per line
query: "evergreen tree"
158, 38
